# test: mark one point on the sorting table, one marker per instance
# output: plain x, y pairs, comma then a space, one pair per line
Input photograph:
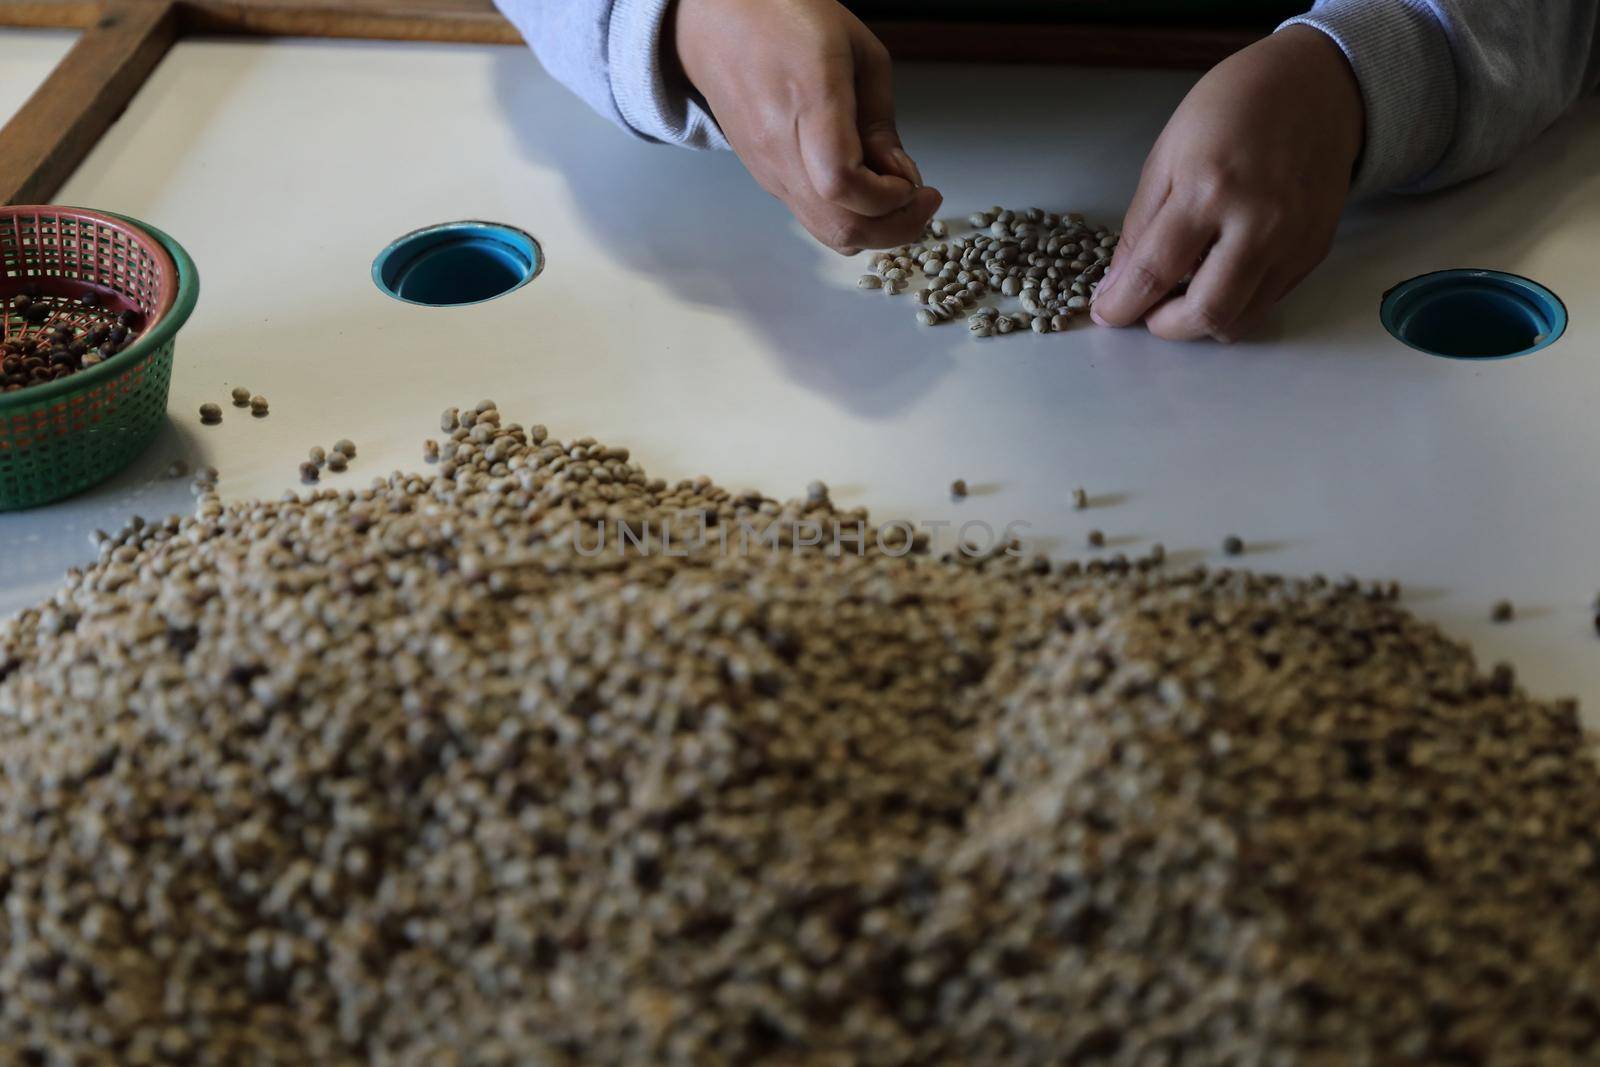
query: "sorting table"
683, 314
26, 59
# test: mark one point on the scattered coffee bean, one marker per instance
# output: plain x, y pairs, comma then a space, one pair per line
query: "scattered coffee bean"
338, 462
1233, 545
1097, 539
1502, 679
1502, 611
241, 396
345, 445
1080, 499
210, 414
309, 471
258, 405
317, 455
958, 488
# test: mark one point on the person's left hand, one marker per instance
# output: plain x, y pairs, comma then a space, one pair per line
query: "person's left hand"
1243, 190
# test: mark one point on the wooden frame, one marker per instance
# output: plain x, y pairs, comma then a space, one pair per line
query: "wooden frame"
124, 40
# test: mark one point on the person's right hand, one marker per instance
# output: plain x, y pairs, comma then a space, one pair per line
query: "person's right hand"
802, 91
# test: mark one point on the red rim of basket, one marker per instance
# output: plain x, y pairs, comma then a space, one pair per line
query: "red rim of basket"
167, 289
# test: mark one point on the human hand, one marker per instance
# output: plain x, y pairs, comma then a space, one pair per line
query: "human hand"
802, 90
1243, 189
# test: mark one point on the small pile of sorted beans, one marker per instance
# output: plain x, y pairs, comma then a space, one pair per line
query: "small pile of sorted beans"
48, 338
409, 775
1050, 264
336, 461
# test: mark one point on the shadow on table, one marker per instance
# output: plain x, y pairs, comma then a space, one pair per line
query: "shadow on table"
43, 542
696, 223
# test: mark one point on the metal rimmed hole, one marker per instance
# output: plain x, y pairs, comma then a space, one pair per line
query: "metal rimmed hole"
457, 263
1473, 314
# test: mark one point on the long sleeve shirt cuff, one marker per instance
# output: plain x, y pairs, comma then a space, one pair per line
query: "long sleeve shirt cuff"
652, 103
1403, 63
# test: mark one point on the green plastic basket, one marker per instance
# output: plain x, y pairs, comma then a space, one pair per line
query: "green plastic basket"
61, 437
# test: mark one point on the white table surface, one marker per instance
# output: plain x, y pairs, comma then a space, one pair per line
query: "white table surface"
683, 314
26, 59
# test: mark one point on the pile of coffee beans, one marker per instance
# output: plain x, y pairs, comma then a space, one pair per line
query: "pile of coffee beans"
416, 775
1050, 264
49, 338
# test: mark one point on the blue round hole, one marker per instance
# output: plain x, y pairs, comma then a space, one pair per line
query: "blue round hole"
457, 263
1473, 314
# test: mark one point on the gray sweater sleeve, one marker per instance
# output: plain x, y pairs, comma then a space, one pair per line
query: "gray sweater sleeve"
609, 53
1453, 88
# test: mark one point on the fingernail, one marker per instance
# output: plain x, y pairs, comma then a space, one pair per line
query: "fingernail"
1111, 275
908, 168
1105, 287
1094, 316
